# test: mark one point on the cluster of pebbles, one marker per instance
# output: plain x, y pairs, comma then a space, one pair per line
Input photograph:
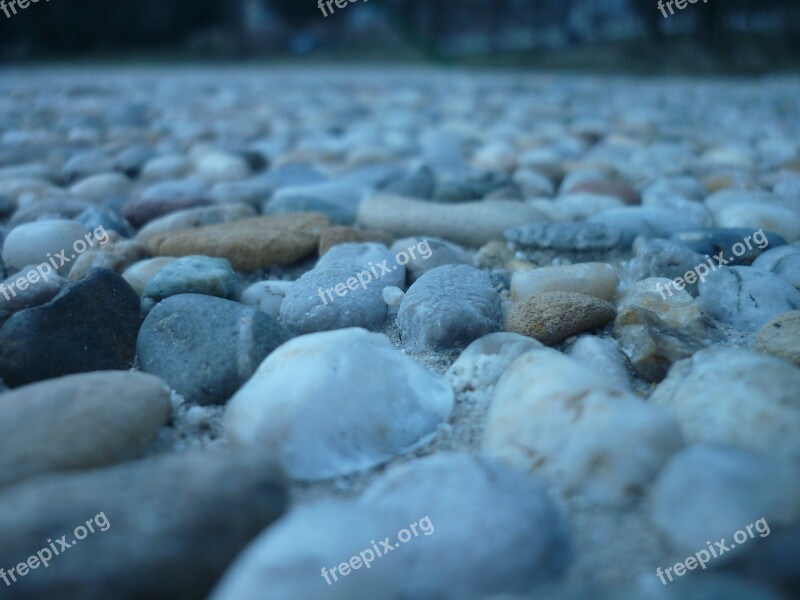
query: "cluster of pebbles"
220, 380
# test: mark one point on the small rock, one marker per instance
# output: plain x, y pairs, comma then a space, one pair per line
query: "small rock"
339, 234
737, 246
192, 275
603, 356
116, 415
427, 254
649, 222
551, 317
363, 422
35, 243
783, 261
393, 296
14, 298
337, 200
142, 272
91, 325
193, 218
718, 389
783, 221
205, 348
101, 187
267, 296
594, 279
616, 189
447, 307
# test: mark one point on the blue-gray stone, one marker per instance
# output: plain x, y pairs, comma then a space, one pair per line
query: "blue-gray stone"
419, 183
205, 348
192, 275
715, 240
339, 200
747, 298
646, 221
449, 306
665, 258
567, 237
107, 218
783, 261
7, 207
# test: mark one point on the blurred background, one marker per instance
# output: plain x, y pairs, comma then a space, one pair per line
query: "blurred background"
627, 35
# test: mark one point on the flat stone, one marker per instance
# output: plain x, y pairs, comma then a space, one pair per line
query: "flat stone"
248, 244
566, 237
150, 517
192, 275
469, 223
91, 325
52, 208
101, 186
80, 422
577, 428
363, 422
205, 348
551, 317
725, 395
447, 307
649, 222
337, 200
194, 218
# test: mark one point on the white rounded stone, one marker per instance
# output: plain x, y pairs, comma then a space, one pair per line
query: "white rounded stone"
30, 244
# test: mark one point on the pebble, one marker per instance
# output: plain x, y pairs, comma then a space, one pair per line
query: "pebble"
449, 306
587, 436
551, 317
267, 296
35, 243
747, 298
248, 244
418, 183
665, 259
116, 415
367, 418
428, 253
471, 224
783, 261
603, 356
339, 234
593, 279
649, 222
393, 296
101, 187
781, 337
331, 296
783, 221
205, 348
615, 189
216, 166
757, 390
568, 237
194, 218
192, 275
576, 207
166, 168
730, 242
91, 325
143, 210
106, 217
339, 201
150, 517
140, 273
13, 298
51, 208
731, 490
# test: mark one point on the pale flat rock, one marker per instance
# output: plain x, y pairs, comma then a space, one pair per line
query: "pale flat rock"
594, 279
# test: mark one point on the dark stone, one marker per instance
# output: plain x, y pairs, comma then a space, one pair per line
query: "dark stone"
91, 325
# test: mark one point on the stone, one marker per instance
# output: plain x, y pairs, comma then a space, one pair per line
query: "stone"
143, 210
603, 356
418, 183
584, 434
91, 325
481, 364
747, 298
7, 207
215, 166
593, 279
393, 296
470, 223
467, 186
738, 246
339, 421
101, 186
428, 253
725, 395
192, 275
140, 273
337, 200
50, 208
14, 299
566, 237
88, 261
551, 317
267, 296
615, 189
781, 337
783, 261
109, 219
34, 243
340, 234
665, 259
731, 490
187, 514
248, 244
534, 184
343, 290
449, 306
783, 221
194, 218
166, 167
649, 222
577, 207
80, 422
205, 348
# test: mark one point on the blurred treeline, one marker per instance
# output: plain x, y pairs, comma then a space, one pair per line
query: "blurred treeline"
740, 33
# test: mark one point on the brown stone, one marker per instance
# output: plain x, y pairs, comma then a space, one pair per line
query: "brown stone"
551, 317
248, 244
343, 235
